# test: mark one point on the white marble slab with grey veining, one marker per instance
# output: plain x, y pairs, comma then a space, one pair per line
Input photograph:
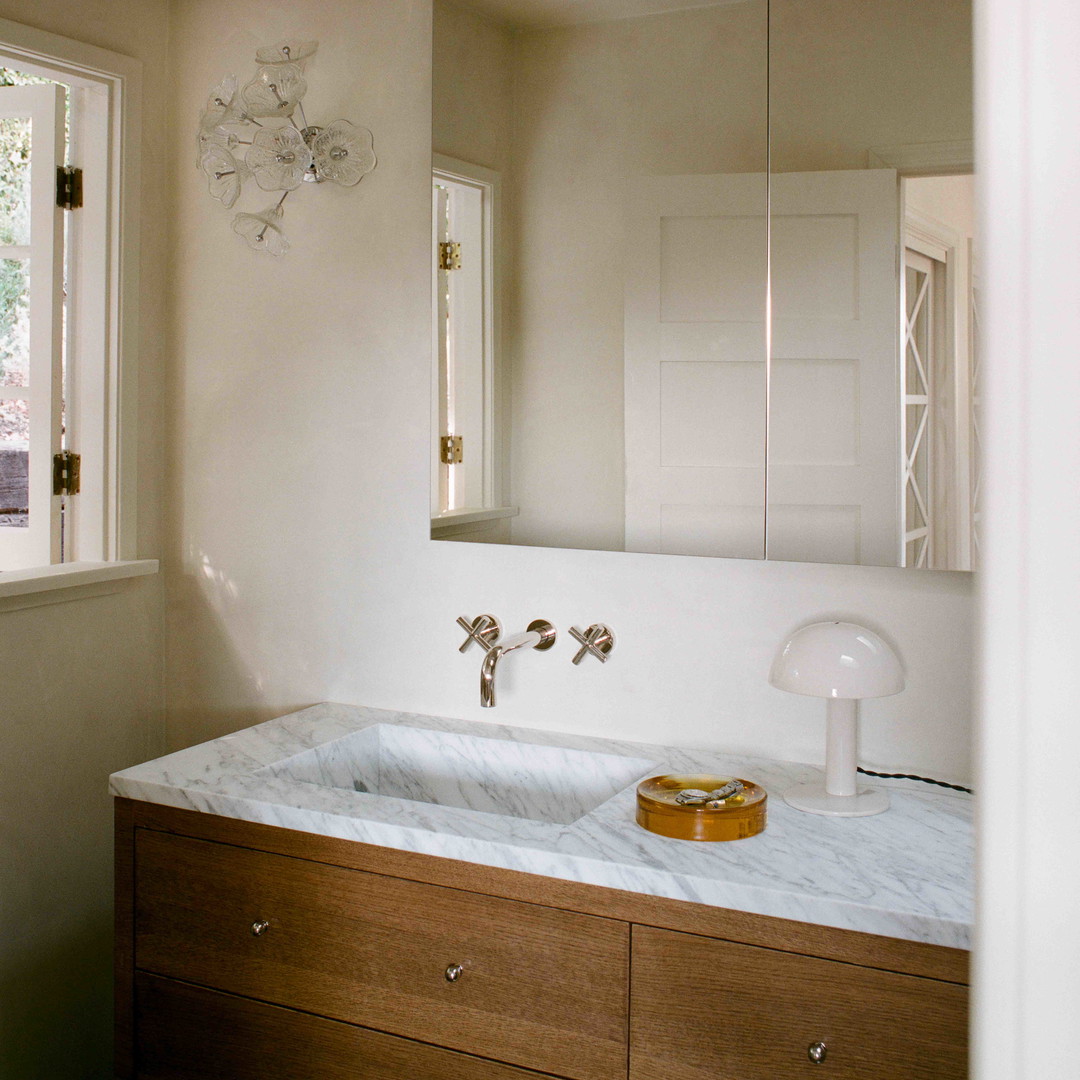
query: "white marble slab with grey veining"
563, 806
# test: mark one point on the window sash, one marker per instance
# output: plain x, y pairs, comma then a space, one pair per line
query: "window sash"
39, 543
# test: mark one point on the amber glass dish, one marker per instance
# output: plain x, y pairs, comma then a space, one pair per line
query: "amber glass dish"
735, 818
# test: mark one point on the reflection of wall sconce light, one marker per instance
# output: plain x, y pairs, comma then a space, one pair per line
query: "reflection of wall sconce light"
281, 154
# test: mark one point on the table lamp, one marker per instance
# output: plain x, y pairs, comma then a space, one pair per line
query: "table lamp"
841, 662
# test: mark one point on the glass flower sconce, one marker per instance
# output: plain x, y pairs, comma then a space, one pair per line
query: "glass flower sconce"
252, 133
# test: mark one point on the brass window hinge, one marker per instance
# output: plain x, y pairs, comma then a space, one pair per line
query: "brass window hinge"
450, 449
66, 473
450, 256
69, 185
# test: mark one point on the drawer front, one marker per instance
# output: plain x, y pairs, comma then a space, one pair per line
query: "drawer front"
705, 1009
188, 1033
537, 987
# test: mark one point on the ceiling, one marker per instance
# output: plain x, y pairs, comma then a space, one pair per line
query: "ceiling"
540, 14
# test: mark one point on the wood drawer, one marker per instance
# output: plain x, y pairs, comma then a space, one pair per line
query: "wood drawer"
189, 1033
703, 1009
541, 988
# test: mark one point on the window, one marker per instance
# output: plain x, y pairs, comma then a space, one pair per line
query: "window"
467, 461
68, 301
32, 147
938, 347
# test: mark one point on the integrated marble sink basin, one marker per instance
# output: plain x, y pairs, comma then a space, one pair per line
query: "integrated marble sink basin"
562, 805
495, 776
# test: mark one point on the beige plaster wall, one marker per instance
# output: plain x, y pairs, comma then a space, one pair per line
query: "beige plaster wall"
473, 62
848, 76
299, 387
82, 680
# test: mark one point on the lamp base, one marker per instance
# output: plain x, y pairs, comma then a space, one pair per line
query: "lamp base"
814, 799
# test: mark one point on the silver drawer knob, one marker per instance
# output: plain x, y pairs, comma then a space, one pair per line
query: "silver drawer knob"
454, 972
259, 927
816, 1052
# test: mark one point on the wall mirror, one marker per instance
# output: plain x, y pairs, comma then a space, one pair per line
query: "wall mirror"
704, 278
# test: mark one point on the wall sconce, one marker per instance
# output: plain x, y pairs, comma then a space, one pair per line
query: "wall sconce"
280, 153
841, 662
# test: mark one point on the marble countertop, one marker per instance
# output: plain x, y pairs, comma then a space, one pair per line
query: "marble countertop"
906, 873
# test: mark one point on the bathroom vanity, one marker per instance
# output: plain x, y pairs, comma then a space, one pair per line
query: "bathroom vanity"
284, 912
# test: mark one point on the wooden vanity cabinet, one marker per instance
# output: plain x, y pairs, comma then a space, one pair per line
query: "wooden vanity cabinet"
256, 953
516, 982
708, 1008
190, 1033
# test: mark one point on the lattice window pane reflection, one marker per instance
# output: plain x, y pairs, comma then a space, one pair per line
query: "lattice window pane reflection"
918, 338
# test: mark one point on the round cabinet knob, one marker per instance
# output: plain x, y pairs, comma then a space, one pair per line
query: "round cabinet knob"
259, 927
816, 1052
454, 972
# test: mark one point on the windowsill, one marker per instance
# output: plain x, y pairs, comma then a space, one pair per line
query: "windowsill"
67, 581
450, 519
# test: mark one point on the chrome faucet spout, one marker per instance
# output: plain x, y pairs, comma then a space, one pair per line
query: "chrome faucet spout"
540, 635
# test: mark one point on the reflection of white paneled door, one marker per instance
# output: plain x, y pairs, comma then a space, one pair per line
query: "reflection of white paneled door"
695, 372
834, 476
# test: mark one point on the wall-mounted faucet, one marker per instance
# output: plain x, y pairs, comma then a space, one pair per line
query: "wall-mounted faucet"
539, 635
485, 631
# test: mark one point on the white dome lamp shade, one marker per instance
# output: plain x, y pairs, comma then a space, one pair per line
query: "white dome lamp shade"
841, 662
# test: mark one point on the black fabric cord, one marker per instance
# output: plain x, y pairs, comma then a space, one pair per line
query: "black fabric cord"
909, 776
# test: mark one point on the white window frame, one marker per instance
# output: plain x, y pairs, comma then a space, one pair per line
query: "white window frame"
104, 317
38, 539
487, 485
952, 547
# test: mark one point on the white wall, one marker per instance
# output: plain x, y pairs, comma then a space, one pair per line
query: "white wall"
81, 681
1027, 957
301, 567
949, 200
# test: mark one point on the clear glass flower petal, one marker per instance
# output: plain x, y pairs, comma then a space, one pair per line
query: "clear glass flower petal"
206, 138
275, 91
278, 158
286, 52
343, 153
262, 231
224, 174
221, 105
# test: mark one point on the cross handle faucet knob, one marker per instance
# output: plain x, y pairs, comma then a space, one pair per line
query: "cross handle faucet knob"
484, 630
597, 641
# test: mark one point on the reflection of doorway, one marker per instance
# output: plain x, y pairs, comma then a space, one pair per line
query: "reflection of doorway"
937, 349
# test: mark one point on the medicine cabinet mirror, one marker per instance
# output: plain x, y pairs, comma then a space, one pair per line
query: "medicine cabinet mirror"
704, 278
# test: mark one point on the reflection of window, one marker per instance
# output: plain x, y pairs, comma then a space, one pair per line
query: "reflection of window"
63, 325
466, 462
939, 456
